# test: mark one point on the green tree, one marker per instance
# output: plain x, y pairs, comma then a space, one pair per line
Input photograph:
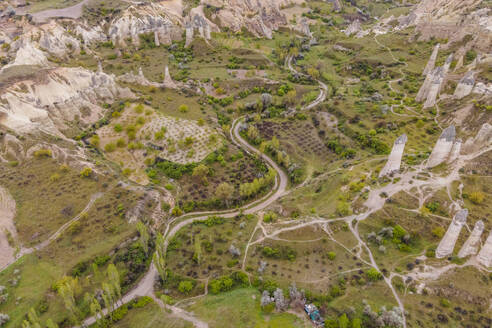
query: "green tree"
67, 290
356, 323
51, 324
374, 275
343, 321
185, 286
114, 279
144, 236
96, 310
86, 172
224, 191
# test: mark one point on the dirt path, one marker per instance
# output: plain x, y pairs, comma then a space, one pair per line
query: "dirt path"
146, 284
73, 12
7, 227
323, 88
54, 236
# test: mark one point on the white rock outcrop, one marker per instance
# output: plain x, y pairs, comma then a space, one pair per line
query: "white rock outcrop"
259, 17
140, 78
485, 255
483, 89
7, 214
446, 148
432, 61
481, 140
150, 18
91, 35
446, 246
353, 28
394, 159
452, 20
465, 85
63, 95
472, 244
27, 54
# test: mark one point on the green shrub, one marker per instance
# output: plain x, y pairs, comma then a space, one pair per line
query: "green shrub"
86, 172
445, 302
373, 274
120, 313
43, 153
185, 286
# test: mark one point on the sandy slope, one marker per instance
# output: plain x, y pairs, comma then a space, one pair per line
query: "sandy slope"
7, 213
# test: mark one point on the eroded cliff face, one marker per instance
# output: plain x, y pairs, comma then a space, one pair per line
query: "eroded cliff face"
452, 20
165, 21
56, 99
260, 17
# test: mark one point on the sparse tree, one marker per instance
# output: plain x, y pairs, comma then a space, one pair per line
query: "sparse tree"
144, 236
51, 324
114, 279
67, 292
224, 192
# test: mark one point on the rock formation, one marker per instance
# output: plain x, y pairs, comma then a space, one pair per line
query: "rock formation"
452, 20
465, 85
432, 61
481, 140
27, 54
91, 35
446, 246
140, 78
483, 89
259, 17
63, 95
303, 27
197, 21
473, 242
394, 159
150, 18
353, 28
7, 214
433, 84
485, 255
446, 149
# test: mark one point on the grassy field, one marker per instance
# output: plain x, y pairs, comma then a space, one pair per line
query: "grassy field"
241, 308
150, 316
45, 196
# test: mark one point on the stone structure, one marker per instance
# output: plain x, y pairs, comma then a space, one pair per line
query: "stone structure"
465, 86
446, 148
473, 242
446, 246
394, 159
485, 255
432, 61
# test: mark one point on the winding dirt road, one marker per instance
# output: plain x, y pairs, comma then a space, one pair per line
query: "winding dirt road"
146, 285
